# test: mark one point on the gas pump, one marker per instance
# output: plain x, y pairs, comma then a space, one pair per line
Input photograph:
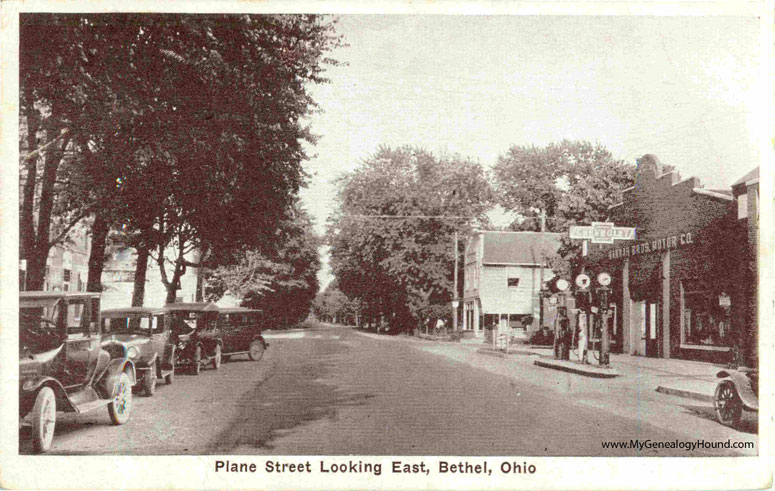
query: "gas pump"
602, 293
584, 305
558, 291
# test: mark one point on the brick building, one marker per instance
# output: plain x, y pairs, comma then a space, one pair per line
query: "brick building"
678, 287
502, 281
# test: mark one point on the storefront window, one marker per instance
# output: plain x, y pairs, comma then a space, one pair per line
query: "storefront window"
705, 321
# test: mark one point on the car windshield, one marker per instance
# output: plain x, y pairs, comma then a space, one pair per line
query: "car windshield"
127, 324
186, 322
38, 330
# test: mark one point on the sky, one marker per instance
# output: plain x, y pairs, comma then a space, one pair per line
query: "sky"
682, 88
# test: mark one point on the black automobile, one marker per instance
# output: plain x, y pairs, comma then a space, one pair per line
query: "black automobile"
64, 366
146, 334
241, 332
195, 332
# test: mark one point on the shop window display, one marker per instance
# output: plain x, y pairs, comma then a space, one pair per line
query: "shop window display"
705, 321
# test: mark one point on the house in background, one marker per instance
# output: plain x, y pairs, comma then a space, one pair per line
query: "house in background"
67, 264
502, 281
118, 278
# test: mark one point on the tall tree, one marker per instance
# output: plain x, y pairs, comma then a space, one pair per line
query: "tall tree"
293, 281
392, 236
192, 127
573, 182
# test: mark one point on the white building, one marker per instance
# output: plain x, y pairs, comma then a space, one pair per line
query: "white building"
502, 281
118, 278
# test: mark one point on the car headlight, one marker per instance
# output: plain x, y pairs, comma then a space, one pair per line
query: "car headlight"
132, 352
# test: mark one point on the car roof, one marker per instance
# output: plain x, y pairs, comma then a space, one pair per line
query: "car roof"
236, 310
131, 310
191, 306
34, 295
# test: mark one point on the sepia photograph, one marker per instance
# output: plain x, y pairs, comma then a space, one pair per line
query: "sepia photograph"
342, 246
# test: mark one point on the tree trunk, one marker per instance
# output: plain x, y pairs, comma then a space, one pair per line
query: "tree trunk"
99, 238
26, 221
172, 293
141, 272
36, 261
200, 284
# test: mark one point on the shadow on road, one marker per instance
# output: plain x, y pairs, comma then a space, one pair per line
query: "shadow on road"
300, 391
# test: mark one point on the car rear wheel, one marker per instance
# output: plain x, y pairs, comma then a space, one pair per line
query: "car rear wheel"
149, 382
256, 350
727, 404
120, 409
217, 357
44, 418
197, 362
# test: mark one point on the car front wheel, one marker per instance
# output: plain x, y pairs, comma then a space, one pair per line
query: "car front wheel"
217, 357
120, 409
727, 404
256, 350
44, 418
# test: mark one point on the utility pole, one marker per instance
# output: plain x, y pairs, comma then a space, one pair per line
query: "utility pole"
543, 255
454, 293
541, 277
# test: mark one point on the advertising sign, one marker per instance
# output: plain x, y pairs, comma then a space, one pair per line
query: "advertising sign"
601, 233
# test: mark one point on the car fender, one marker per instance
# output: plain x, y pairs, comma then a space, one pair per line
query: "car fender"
143, 364
109, 381
30, 388
263, 341
743, 386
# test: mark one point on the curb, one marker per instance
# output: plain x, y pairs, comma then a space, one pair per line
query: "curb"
686, 394
502, 354
587, 371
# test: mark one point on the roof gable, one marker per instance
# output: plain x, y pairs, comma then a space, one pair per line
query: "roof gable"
752, 174
517, 247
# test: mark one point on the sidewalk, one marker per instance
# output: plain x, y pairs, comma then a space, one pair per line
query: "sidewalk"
682, 378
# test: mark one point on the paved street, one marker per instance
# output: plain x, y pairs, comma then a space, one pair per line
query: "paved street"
336, 391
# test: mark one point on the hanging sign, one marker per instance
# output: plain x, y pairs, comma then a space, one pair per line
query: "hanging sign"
601, 233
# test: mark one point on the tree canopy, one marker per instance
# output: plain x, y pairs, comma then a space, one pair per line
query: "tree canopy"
573, 182
185, 131
391, 237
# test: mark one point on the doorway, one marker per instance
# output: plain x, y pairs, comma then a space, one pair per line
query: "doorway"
648, 328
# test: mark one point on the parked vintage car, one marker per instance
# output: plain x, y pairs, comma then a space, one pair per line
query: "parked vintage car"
241, 331
63, 365
146, 334
737, 391
195, 332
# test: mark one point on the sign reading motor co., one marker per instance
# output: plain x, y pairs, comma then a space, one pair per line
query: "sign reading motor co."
601, 233
656, 245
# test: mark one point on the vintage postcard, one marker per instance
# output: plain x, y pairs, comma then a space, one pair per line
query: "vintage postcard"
396, 245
